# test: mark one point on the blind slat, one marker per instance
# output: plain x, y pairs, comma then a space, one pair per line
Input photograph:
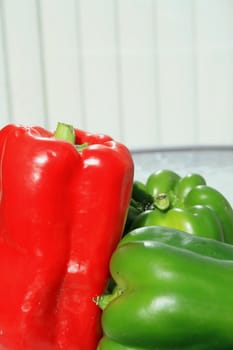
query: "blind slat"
23, 62
138, 58
215, 70
61, 58
177, 94
99, 64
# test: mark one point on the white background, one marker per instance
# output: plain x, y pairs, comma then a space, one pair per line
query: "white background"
148, 72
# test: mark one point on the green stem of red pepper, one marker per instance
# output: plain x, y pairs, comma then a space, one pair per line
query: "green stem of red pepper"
66, 132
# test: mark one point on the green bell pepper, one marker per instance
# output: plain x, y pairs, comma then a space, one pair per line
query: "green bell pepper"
187, 204
173, 292
140, 201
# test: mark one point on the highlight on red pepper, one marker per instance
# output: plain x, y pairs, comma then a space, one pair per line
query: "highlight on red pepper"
62, 212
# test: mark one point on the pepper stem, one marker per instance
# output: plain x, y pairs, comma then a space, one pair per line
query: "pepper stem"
103, 300
81, 147
65, 132
162, 201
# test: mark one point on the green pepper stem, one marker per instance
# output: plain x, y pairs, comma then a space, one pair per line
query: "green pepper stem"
65, 132
103, 300
162, 201
81, 147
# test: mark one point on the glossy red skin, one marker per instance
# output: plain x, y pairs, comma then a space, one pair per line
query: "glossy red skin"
61, 216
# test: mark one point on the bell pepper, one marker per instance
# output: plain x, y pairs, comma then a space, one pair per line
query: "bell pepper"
173, 291
64, 200
140, 201
188, 204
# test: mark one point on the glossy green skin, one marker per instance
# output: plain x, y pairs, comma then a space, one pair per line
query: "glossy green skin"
197, 220
162, 181
201, 245
193, 206
175, 297
141, 196
208, 196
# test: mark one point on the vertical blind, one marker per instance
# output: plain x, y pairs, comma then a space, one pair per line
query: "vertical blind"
148, 72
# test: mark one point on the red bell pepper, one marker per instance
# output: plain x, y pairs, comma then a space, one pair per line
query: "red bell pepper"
62, 213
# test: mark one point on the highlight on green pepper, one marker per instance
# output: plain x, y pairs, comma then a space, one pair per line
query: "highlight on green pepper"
185, 203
